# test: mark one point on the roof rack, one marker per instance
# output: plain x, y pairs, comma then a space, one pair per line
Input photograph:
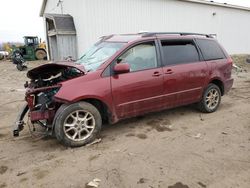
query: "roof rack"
150, 34
106, 37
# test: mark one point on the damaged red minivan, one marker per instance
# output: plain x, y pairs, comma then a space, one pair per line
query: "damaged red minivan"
123, 76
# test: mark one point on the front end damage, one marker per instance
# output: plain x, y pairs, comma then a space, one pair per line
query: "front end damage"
45, 82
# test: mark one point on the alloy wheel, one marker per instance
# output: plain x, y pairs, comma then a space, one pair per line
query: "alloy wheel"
79, 125
212, 99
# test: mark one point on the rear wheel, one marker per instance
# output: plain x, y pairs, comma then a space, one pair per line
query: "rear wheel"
19, 67
78, 124
211, 99
40, 54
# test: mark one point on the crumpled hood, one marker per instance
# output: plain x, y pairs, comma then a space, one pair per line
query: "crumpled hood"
52, 69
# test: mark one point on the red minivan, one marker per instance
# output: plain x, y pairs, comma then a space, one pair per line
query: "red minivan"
123, 76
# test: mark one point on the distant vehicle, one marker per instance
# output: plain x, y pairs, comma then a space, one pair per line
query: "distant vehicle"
123, 76
32, 49
3, 54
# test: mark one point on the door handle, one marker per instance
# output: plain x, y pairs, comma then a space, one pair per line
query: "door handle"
156, 74
169, 71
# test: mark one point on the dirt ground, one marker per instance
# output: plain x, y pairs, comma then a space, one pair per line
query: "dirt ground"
177, 148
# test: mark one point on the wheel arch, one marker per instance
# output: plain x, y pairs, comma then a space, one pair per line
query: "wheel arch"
41, 49
219, 83
102, 107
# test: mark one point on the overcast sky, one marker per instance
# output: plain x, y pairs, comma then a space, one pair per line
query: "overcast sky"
21, 17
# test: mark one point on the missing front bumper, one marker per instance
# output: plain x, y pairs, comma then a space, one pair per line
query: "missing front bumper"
18, 125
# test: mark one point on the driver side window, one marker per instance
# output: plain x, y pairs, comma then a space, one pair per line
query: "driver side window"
140, 57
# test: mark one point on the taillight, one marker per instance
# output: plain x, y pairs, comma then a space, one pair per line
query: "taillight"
228, 71
31, 101
230, 61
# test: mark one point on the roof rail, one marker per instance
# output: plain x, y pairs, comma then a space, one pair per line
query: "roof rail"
150, 34
106, 37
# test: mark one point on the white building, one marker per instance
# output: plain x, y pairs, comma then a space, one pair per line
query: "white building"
84, 21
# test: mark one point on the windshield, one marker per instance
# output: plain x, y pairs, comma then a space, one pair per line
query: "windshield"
98, 54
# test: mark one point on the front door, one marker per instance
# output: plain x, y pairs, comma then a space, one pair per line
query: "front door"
139, 91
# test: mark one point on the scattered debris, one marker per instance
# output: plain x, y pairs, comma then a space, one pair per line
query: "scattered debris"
201, 118
131, 154
93, 184
142, 180
2, 185
239, 68
3, 169
130, 134
198, 135
94, 142
21, 173
160, 125
93, 157
141, 136
162, 128
178, 185
202, 185
23, 180
18, 90
248, 60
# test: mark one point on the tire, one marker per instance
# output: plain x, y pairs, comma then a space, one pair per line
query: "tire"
19, 67
211, 99
40, 54
78, 124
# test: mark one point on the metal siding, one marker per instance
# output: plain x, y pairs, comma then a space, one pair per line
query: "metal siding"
65, 44
95, 18
53, 48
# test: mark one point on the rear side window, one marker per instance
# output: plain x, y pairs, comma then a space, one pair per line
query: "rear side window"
179, 52
210, 49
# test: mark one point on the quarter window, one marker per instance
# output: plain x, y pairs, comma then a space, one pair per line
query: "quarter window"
140, 57
210, 49
179, 52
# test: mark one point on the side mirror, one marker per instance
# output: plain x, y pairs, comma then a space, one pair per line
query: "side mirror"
122, 68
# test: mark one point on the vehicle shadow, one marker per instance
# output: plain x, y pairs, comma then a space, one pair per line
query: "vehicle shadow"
159, 121
147, 121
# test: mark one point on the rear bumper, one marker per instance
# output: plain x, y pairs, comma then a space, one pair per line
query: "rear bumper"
228, 85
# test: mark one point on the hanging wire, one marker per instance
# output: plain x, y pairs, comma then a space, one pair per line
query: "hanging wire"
37, 135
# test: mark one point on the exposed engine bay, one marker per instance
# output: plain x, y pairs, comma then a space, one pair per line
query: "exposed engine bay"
40, 90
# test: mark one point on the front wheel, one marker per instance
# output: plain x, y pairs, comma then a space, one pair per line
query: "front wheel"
78, 124
211, 99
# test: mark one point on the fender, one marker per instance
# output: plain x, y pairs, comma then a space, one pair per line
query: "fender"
86, 87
